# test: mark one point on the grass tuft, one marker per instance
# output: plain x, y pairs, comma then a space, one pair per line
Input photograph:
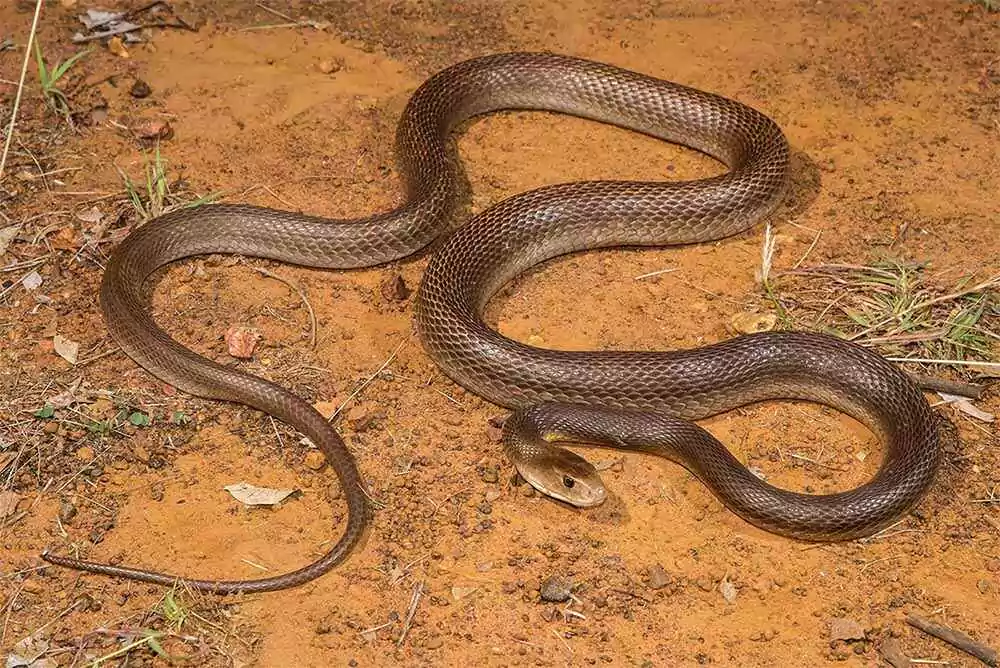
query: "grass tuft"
896, 307
49, 79
155, 195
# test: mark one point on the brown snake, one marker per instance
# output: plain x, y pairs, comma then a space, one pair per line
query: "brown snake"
606, 388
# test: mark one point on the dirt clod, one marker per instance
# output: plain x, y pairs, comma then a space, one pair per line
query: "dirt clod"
556, 589
315, 460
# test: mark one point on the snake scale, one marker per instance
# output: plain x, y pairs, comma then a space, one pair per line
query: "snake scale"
638, 400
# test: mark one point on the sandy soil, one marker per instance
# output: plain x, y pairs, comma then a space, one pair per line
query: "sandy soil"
894, 115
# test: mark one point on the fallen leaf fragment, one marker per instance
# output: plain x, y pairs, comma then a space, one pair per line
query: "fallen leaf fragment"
842, 628
728, 590
32, 281
242, 341
458, 593
7, 235
8, 503
65, 348
966, 406
251, 495
116, 47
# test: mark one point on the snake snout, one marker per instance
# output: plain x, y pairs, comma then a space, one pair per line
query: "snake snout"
566, 476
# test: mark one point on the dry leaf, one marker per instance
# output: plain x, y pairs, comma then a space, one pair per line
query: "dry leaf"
966, 406
32, 281
458, 593
728, 590
66, 348
845, 629
242, 341
257, 496
7, 235
8, 503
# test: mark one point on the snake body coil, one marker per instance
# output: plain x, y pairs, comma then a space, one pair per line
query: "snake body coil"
517, 234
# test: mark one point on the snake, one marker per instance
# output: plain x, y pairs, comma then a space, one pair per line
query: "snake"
638, 400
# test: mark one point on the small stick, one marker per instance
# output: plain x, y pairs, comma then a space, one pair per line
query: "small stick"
368, 380
418, 590
987, 655
20, 87
656, 273
935, 384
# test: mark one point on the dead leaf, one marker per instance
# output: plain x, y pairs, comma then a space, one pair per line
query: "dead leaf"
728, 590
458, 593
242, 341
8, 503
251, 495
30, 653
92, 215
32, 281
66, 348
751, 323
7, 235
963, 404
842, 628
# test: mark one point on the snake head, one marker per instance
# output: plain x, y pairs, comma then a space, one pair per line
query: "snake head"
565, 476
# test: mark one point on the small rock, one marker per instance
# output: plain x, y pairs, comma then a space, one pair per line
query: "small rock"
490, 474
395, 289
51, 427
494, 434
993, 565
330, 66
658, 577
85, 454
152, 129
556, 589
527, 490
842, 628
140, 89
704, 584
315, 460
67, 511
492, 495
156, 491
752, 323
434, 642
361, 418
984, 586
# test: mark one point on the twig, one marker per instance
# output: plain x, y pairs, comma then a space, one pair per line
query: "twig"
656, 273
302, 296
920, 360
987, 655
369, 379
418, 590
20, 87
935, 384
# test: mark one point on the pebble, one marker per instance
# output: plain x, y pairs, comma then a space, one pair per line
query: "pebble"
395, 289
315, 460
490, 474
85, 454
527, 490
984, 586
330, 66
152, 129
993, 565
156, 491
658, 577
556, 589
51, 427
140, 89
67, 511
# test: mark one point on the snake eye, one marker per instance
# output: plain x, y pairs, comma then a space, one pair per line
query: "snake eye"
569, 482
